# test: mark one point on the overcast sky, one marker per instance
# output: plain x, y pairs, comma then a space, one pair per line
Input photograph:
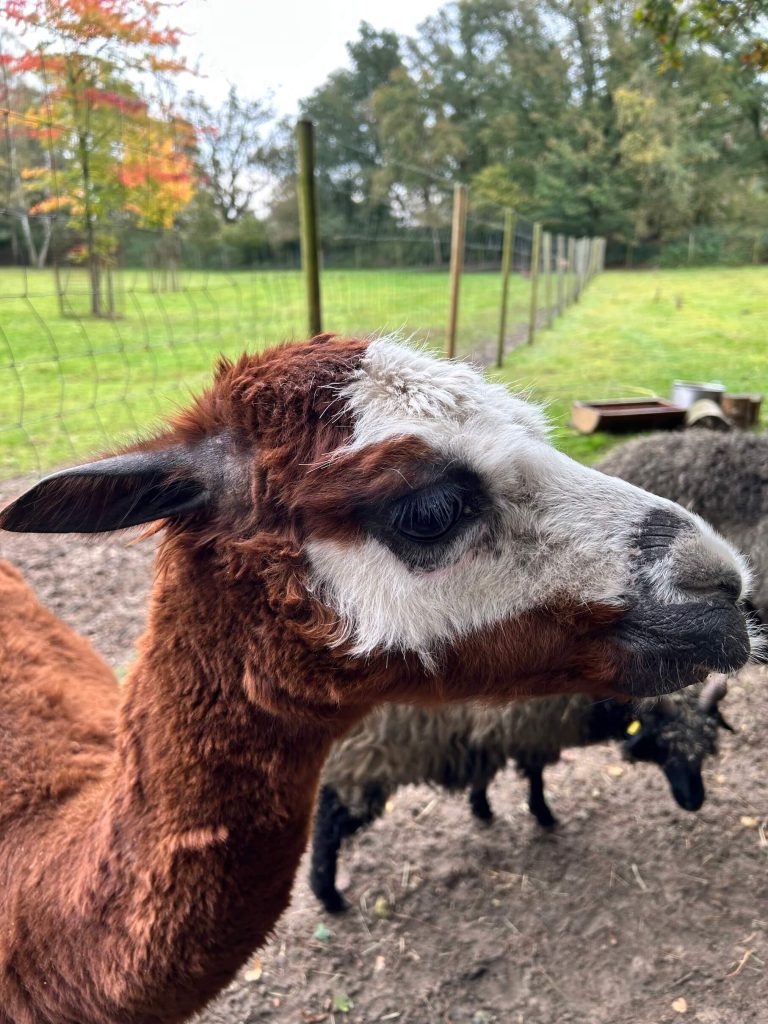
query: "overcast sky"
286, 46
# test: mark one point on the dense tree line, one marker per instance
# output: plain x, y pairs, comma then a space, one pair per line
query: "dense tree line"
568, 112
635, 120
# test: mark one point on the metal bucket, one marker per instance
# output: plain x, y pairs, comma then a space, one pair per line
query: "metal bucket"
686, 392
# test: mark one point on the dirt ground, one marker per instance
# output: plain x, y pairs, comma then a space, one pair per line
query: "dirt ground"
632, 912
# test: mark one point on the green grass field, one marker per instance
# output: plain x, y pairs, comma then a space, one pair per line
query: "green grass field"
72, 386
632, 334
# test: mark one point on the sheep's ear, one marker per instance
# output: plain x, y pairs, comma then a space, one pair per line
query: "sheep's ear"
111, 494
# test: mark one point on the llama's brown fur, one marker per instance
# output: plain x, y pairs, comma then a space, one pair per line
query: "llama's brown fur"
145, 853
61, 698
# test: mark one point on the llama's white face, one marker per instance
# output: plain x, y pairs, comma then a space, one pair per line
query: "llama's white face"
501, 523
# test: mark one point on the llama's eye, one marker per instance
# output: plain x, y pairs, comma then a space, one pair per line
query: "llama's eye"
427, 516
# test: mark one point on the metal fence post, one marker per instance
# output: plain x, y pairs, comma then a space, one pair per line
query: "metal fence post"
305, 138
458, 232
506, 263
546, 241
535, 260
560, 274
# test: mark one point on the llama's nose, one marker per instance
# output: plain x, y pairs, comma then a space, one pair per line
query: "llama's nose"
658, 531
724, 584
691, 557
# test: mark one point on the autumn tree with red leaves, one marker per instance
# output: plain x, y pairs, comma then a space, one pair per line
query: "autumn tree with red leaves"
111, 152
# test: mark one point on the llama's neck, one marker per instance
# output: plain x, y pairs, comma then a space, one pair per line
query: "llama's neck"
184, 865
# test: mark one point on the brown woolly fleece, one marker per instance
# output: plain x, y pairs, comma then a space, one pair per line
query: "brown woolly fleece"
146, 850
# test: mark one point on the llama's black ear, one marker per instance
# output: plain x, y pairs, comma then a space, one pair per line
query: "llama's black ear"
112, 494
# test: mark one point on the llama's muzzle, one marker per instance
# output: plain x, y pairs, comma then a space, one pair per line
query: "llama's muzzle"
666, 646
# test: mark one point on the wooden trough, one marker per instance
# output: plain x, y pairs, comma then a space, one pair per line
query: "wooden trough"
626, 414
743, 410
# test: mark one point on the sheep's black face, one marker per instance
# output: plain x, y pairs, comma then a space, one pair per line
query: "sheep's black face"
678, 739
686, 784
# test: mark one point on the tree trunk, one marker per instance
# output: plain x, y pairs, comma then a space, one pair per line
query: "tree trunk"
89, 217
94, 268
110, 292
59, 288
26, 233
42, 254
437, 249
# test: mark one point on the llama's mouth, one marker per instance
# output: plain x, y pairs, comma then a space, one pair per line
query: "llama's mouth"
666, 647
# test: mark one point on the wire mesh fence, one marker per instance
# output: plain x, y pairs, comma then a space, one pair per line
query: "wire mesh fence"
117, 295
722, 245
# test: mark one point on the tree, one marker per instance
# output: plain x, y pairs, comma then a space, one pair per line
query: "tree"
23, 168
87, 55
234, 152
421, 151
675, 21
353, 203
159, 184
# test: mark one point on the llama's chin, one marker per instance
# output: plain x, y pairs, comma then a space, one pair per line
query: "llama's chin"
666, 647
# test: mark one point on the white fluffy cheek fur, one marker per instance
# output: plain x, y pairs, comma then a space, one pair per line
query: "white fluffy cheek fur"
383, 605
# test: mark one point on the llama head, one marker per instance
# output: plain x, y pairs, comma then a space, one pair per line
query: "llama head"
411, 525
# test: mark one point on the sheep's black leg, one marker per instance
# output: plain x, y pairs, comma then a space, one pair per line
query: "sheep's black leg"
478, 801
481, 776
333, 823
536, 802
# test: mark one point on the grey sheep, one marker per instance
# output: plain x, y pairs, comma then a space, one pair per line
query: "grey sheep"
722, 477
464, 746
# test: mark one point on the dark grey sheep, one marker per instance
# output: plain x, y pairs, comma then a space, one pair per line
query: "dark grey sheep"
464, 746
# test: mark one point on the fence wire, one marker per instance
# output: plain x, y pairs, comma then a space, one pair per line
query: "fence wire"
118, 293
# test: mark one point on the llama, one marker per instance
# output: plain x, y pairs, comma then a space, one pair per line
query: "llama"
722, 477
346, 523
464, 746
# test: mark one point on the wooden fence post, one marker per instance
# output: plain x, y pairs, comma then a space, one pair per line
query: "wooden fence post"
305, 138
577, 251
458, 233
535, 261
571, 271
560, 274
585, 243
585, 253
590, 258
546, 241
506, 264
